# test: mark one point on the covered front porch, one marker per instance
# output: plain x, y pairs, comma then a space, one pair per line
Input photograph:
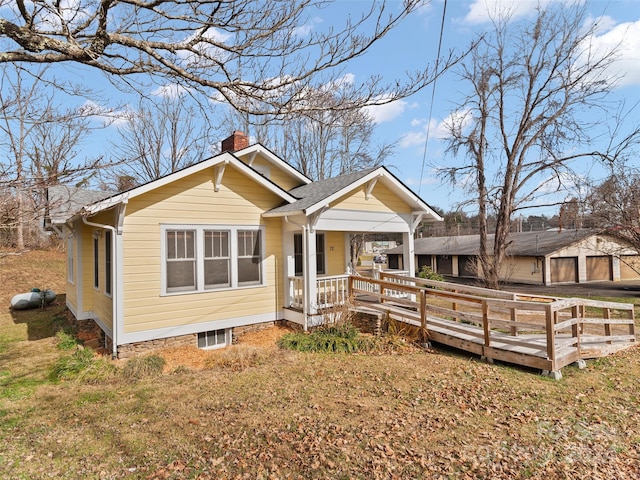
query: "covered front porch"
317, 233
331, 293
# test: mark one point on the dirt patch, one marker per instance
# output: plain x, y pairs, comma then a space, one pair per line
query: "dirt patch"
195, 358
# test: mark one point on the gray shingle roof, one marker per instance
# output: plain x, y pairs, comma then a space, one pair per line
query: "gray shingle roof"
314, 193
522, 244
64, 201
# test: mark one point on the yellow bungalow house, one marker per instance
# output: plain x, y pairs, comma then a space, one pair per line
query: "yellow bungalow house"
238, 240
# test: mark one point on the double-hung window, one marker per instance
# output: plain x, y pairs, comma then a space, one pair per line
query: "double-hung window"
249, 257
199, 258
181, 260
216, 259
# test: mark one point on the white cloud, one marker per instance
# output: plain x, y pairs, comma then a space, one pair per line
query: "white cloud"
387, 112
170, 90
436, 130
482, 11
106, 116
306, 29
625, 40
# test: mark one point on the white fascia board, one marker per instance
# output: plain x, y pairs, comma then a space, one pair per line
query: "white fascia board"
292, 213
225, 157
275, 160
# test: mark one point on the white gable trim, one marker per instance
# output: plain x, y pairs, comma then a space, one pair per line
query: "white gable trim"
379, 174
274, 159
224, 159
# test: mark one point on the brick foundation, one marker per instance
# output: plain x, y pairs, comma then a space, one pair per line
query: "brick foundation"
148, 347
368, 322
238, 332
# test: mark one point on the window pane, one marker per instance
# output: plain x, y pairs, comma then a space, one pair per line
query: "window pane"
208, 244
216, 273
181, 275
248, 271
221, 337
171, 244
297, 253
190, 244
216, 244
248, 243
320, 253
202, 340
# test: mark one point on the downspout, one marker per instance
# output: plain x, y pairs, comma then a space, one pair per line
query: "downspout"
114, 284
305, 266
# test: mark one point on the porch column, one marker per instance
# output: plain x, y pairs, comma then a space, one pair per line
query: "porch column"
408, 253
309, 270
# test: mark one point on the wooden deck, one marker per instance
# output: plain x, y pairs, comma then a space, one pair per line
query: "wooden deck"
534, 331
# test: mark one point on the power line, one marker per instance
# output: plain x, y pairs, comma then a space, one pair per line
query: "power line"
433, 93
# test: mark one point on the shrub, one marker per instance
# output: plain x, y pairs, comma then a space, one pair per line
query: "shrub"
66, 340
428, 274
140, 367
70, 367
340, 337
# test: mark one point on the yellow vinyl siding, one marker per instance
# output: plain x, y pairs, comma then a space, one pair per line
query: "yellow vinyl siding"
278, 176
95, 300
192, 200
87, 268
381, 199
336, 258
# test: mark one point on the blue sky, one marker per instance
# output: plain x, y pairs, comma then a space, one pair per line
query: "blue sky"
413, 46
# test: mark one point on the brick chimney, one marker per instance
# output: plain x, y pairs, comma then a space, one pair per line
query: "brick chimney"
237, 141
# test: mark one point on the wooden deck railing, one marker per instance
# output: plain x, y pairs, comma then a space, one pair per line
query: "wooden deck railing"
538, 331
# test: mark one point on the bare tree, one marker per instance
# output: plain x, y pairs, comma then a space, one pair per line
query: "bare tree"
323, 143
525, 122
162, 136
614, 204
39, 142
258, 55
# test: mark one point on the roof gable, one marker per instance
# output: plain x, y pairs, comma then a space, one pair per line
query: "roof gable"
217, 161
317, 195
248, 154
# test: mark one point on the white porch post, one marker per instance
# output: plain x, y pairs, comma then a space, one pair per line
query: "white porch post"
408, 253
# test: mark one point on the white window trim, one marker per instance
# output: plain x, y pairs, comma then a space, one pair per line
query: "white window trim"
227, 340
233, 253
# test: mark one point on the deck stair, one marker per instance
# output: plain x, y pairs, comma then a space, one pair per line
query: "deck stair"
542, 332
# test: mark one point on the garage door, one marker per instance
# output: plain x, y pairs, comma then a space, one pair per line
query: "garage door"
564, 270
444, 265
598, 268
629, 267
